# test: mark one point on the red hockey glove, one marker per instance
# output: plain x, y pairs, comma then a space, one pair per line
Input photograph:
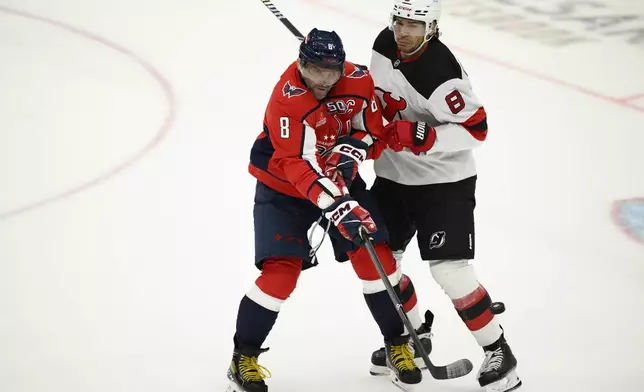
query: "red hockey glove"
345, 158
417, 136
348, 216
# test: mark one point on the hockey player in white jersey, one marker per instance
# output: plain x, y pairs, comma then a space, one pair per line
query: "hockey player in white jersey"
429, 189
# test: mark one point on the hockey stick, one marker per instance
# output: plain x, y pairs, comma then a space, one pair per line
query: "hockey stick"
456, 369
283, 19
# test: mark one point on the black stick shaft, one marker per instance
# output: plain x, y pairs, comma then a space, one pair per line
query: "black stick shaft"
456, 369
396, 301
283, 19
453, 370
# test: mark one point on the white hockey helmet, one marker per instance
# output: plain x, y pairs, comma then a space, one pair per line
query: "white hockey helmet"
421, 10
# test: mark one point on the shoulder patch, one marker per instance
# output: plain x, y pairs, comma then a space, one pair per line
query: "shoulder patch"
358, 73
290, 91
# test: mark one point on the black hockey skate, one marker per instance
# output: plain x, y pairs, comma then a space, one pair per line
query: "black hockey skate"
379, 357
400, 360
245, 374
497, 373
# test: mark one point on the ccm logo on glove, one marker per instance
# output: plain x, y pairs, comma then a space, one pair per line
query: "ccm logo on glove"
343, 210
349, 217
355, 153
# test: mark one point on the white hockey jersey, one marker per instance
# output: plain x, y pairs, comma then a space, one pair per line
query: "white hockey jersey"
432, 87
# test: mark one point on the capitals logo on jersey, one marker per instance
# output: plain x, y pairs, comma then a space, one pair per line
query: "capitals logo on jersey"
391, 106
290, 91
358, 73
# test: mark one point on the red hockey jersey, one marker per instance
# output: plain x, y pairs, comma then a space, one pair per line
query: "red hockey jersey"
299, 131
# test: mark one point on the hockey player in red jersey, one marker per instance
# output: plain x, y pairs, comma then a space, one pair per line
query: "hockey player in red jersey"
322, 120
425, 184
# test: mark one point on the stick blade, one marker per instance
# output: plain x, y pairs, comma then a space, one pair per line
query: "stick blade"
457, 369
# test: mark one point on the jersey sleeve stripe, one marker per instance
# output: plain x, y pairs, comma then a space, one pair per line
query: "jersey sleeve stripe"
309, 149
329, 187
364, 117
359, 120
313, 184
476, 125
367, 139
323, 192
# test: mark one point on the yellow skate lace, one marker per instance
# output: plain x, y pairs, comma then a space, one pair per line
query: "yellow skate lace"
252, 371
402, 357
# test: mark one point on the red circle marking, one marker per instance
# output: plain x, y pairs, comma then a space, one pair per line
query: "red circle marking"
615, 216
156, 140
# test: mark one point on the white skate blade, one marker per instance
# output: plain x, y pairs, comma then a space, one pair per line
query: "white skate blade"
396, 381
232, 387
508, 383
400, 384
379, 370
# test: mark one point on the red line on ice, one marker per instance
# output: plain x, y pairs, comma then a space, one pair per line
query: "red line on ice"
500, 63
632, 97
156, 140
616, 220
624, 102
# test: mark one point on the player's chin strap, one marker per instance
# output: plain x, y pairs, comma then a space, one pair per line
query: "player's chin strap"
421, 46
428, 37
